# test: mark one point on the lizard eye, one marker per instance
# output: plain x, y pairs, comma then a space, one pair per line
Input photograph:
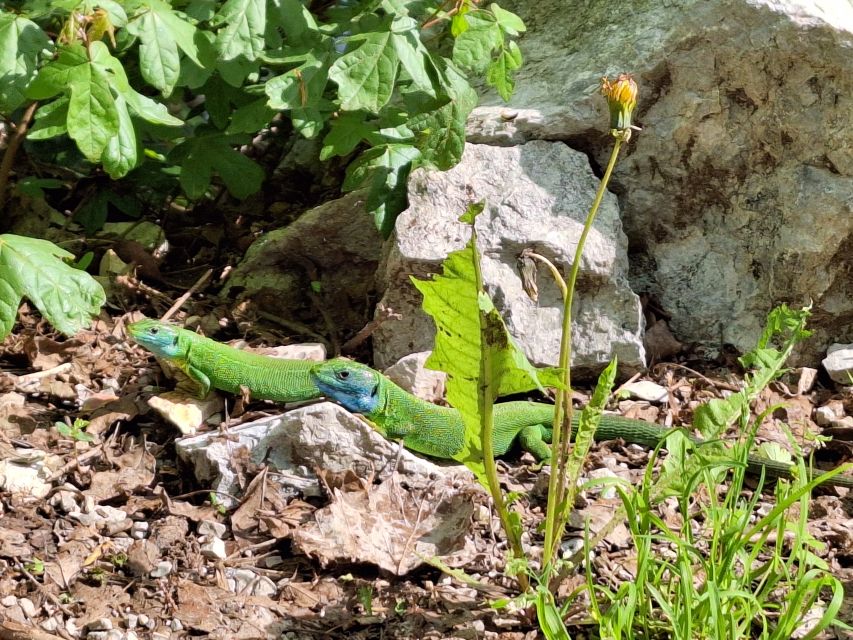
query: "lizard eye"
153, 331
343, 375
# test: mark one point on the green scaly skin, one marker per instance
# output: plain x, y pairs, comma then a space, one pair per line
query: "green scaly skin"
439, 431
215, 365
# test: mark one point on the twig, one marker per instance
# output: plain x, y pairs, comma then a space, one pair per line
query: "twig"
720, 384
15, 141
180, 301
83, 457
38, 375
367, 330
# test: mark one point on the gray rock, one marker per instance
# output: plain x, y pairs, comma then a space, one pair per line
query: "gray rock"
537, 195
738, 192
839, 363
412, 375
646, 390
293, 444
333, 249
214, 548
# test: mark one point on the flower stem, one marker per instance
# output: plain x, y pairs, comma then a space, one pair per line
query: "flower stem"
562, 434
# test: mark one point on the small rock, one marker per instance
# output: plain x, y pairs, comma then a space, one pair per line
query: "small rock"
607, 492
131, 635
9, 601
410, 372
272, 561
143, 620
827, 414
646, 390
571, 546
214, 548
806, 380
210, 528
50, 625
175, 625
24, 479
839, 363
101, 515
132, 620
64, 501
71, 628
163, 568
97, 635
482, 514
100, 624
138, 529
28, 607
186, 412
157, 635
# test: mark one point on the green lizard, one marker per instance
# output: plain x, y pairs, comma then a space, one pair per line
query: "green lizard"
438, 431
213, 364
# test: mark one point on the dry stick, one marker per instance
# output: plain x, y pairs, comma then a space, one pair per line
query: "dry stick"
367, 330
180, 301
15, 141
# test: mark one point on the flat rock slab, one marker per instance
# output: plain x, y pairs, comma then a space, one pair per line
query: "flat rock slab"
294, 444
537, 196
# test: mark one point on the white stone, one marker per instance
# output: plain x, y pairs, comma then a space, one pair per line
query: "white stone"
839, 363
163, 568
28, 607
646, 390
210, 528
410, 372
184, 411
321, 435
214, 548
825, 416
132, 620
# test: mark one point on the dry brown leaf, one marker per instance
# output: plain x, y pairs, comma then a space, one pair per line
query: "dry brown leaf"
388, 526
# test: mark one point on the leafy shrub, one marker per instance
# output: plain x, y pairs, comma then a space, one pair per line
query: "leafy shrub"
182, 84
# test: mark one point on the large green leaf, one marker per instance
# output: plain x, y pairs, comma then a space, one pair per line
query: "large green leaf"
243, 33
501, 70
21, 44
441, 132
473, 48
365, 76
387, 168
121, 153
199, 157
412, 54
55, 76
159, 59
92, 113
35, 269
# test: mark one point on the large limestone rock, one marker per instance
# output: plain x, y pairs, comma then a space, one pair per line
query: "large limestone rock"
738, 194
537, 195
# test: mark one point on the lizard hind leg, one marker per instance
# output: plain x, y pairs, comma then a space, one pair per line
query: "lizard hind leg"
532, 438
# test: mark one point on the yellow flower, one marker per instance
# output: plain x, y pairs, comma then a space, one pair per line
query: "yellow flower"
621, 99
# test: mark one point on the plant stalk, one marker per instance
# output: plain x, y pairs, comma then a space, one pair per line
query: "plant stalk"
556, 511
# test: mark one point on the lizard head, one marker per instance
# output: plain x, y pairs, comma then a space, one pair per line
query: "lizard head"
353, 385
158, 337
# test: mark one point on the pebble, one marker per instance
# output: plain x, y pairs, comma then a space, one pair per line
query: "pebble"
211, 528
139, 529
214, 548
100, 624
132, 620
175, 625
826, 415
839, 363
28, 607
646, 390
9, 601
50, 625
163, 568
143, 620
